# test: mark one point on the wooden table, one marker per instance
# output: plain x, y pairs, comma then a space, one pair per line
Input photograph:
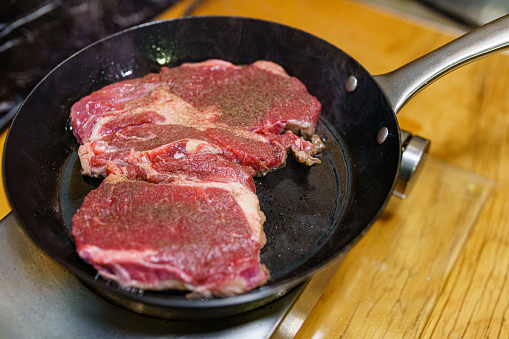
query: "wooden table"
437, 264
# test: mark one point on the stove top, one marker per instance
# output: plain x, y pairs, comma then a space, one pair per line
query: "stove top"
40, 299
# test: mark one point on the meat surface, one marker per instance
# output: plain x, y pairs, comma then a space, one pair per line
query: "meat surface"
145, 143
200, 167
178, 150
260, 97
138, 144
201, 233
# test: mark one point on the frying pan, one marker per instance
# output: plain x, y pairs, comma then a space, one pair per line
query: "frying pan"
314, 214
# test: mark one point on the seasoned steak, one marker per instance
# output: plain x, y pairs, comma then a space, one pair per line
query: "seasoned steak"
249, 101
201, 234
138, 144
260, 97
199, 167
256, 97
179, 149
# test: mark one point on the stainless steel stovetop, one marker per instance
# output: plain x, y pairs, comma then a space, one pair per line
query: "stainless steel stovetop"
39, 299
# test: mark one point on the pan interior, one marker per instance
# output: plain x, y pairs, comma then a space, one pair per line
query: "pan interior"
313, 213
302, 204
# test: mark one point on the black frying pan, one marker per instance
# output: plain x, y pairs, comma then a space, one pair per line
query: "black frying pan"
314, 214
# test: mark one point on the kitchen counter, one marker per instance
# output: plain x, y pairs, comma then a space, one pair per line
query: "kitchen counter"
436, 264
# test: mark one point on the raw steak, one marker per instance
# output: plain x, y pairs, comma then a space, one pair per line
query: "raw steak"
200, 167
257, 97
200, 232
133, 145
144, 143
260, 97
131, 103
178, 208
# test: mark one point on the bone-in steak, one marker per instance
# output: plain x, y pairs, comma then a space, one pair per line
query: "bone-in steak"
178, 207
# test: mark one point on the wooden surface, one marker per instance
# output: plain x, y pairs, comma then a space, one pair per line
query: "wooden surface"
5, 208
390, 282
432, 266
436, 282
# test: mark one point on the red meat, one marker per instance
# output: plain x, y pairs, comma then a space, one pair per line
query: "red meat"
201, 233
178, 207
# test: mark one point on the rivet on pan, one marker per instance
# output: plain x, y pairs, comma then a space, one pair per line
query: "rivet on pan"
383, 133
68, 126
351, 84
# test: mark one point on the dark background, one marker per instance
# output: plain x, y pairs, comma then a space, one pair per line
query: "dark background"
36, 35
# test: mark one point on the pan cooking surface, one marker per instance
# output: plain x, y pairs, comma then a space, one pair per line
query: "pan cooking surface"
302, 204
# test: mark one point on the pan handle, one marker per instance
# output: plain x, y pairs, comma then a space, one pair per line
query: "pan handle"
405, 82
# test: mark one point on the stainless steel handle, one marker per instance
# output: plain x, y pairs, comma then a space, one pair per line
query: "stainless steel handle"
405, 82
413, 156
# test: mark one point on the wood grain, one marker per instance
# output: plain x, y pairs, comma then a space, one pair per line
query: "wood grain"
5, 207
